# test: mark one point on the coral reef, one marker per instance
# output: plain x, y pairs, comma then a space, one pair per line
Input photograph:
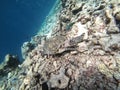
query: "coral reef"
79, 51
9, 64
26, 48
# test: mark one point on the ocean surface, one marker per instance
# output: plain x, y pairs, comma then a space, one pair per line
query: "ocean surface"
19, 21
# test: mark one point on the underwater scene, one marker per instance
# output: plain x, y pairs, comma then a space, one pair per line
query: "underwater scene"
60, 45
19, 21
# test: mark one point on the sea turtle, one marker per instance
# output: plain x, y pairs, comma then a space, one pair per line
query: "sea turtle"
52, 45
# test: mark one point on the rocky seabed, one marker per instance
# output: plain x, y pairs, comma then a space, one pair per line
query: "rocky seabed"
81, 51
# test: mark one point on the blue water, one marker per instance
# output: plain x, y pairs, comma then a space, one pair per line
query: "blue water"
19, 21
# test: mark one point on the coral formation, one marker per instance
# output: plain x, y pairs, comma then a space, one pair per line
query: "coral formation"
78, 50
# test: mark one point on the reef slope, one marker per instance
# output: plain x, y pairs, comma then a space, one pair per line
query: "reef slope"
81, 51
